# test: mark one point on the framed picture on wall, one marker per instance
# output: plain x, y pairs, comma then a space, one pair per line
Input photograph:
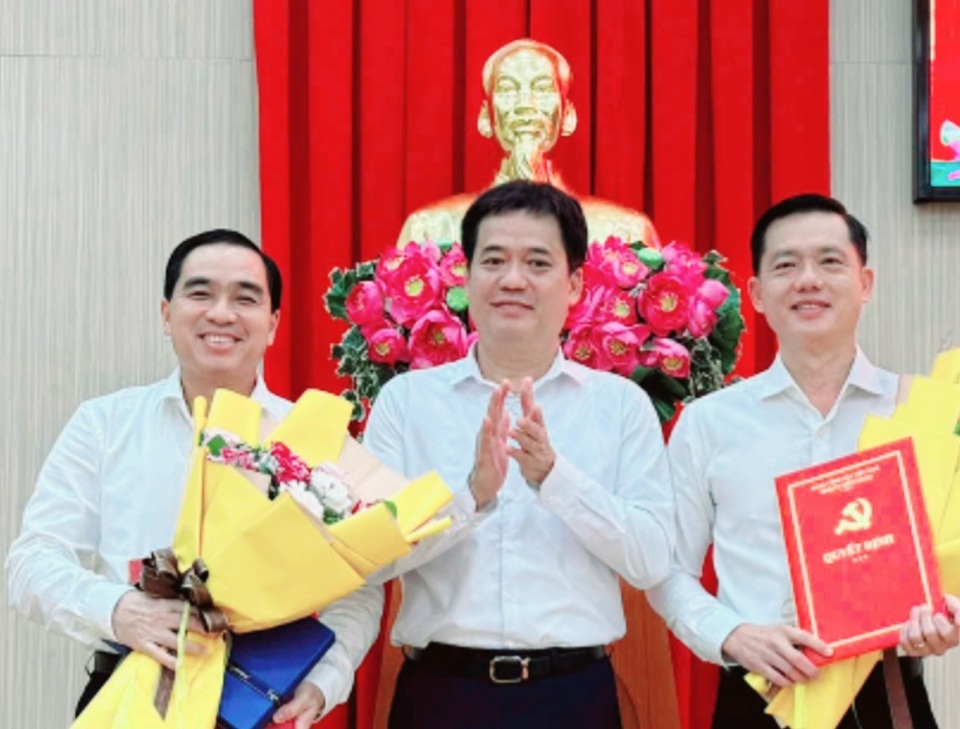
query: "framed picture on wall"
936, 43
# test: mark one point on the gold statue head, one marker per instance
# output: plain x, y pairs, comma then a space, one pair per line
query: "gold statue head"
527, 105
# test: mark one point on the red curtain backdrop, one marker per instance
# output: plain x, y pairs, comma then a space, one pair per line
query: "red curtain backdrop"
698, 112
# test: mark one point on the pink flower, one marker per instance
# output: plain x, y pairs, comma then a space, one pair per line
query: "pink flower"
664, 304
431, 250
680, 261
386, 346
453, 267
389, 263
239, 457
585, 310
618, 306
290, 467
703, 309
585, 346
616, 263
438, 337
365, 303
672, 357
414, 289
621, 344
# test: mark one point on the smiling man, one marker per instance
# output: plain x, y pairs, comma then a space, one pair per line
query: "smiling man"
109, 492
508, 626
811, 282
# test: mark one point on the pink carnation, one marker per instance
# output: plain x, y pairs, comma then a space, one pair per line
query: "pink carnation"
438, 337
665, 304
386, 346
290, 467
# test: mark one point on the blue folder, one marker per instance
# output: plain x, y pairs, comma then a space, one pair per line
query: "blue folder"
265, 668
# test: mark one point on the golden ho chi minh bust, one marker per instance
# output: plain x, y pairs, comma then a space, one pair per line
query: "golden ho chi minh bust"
527, 107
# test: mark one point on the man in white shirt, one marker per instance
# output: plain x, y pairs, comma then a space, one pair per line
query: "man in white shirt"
109, 492
508, 627
810, 282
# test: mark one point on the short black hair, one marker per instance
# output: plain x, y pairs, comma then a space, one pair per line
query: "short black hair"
537, 198
221, 236
808, 202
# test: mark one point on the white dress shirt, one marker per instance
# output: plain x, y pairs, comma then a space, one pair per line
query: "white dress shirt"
725, 453
541, 569
109, 493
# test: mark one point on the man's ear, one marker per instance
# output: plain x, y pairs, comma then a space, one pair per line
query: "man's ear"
165, 316
484, 123
569, 124
576, 285
274, 323
866, 282
753, 289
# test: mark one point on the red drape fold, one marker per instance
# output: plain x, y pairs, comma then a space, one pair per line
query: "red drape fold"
698, 112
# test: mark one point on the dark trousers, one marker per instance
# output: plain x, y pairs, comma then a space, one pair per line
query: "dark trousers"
583, 699
740, 707
99, 669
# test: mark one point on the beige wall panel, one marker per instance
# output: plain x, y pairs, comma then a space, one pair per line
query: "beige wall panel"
915, 249
125, 126
127, 28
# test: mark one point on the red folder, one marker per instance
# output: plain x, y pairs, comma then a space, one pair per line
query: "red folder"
859, 547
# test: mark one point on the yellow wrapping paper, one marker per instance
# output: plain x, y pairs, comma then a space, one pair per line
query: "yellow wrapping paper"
930, 416
269, 562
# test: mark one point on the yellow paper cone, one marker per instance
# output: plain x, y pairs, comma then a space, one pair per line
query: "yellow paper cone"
268, 561
946, 367
826, 699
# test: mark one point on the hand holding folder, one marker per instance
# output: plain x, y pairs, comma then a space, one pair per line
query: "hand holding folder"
930, 416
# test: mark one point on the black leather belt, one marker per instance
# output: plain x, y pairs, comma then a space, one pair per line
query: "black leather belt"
503, 666
104, 662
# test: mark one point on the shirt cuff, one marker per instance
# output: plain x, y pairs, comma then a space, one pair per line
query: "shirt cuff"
464, 507
716, 629
100, 602
329, 680
560, 489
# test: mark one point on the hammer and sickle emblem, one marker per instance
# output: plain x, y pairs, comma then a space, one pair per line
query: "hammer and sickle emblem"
855, 517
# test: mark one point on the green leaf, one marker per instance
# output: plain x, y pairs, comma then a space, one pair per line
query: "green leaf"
216, 445
391, 507
457, 299
651, 258
640, 373
664, 409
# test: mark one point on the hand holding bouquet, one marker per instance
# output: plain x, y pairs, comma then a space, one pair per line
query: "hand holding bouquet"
267, 534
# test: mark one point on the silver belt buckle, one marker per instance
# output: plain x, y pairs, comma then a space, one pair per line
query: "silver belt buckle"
521, 666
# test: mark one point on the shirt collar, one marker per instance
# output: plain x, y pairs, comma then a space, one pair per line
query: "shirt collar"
171, 389
863, 375
469, 369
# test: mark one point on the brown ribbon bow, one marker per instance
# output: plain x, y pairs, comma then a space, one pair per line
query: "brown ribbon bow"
162, 578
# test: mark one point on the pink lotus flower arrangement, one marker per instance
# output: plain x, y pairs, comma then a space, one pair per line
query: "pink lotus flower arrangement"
669, 319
